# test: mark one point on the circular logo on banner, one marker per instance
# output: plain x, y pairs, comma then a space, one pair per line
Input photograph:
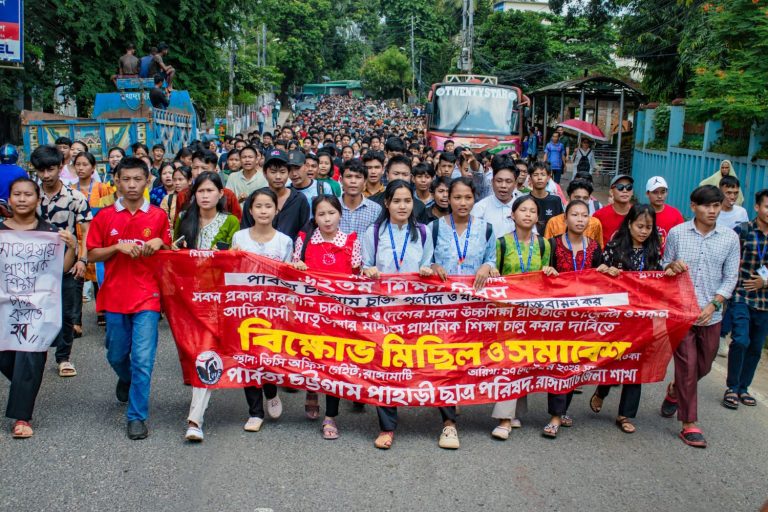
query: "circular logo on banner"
209, 367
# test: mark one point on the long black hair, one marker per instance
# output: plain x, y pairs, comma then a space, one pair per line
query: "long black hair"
311, 226
389, 193
190, 221
622, 240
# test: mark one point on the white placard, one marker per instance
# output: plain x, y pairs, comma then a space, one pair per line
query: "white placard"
31, 264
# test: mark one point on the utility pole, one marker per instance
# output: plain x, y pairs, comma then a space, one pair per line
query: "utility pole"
471, 32
467, 35
230, 106
413, 61
264, 44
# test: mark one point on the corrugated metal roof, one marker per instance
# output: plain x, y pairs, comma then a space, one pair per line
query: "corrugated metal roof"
593, 85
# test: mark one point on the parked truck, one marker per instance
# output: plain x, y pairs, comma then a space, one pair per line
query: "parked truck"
121, 119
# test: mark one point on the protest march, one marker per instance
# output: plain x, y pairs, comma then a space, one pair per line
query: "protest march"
343, 256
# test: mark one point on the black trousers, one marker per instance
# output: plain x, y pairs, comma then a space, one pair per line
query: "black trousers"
557, 405
25, 371
78, 318
630, 398
255, 398
388, 416
69, 299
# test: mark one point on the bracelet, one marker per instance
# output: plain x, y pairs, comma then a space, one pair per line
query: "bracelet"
718, 305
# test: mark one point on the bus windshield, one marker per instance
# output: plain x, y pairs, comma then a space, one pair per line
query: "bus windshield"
475, 109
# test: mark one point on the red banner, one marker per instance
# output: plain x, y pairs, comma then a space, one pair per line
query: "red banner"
242, 320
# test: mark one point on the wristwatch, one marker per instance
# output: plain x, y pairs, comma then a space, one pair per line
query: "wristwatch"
83, 260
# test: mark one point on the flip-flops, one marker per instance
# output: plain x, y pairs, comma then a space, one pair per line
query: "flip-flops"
22, 430
67, 369
330, 431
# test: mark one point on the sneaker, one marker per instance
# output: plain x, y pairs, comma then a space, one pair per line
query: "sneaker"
194, 434
253, 424
121, 391
137, 429
449, 439
722, 350
274, 407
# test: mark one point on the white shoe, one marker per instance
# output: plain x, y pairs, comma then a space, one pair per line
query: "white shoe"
194, 434
253, 424
449, 439
274, 407
722, 350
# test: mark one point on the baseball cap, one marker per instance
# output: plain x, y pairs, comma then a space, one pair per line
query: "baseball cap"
656, 182
296, 158
622, 177
276, 156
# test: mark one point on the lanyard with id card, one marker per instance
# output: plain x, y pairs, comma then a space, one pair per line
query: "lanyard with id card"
762, 271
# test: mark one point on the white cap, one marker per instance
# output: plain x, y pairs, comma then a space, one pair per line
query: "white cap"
656, 182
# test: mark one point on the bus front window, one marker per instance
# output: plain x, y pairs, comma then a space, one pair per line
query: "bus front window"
475, 109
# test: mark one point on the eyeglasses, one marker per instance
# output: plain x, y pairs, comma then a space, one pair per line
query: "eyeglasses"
621, 187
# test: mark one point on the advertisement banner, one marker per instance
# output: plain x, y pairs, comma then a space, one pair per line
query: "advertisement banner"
12, 31
243, 320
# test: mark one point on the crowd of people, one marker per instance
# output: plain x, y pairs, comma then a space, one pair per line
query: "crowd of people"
353, 187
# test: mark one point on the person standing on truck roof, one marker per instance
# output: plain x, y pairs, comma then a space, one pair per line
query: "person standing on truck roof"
157, 96
158, 66
129, 63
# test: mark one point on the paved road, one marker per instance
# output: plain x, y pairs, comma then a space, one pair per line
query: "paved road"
81, 459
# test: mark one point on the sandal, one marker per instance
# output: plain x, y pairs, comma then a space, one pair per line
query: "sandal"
312, 406
550, 430
693, 436
566, 421
731, 399
330, 431
22, 430
669, 405
384, 441
501, 432
626, 426
596, 403
67, 369
747, 399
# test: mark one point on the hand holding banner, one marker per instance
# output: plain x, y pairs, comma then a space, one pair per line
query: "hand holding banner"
242, 320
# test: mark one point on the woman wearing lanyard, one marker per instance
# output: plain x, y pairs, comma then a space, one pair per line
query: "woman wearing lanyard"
519, 252
571, 252
636, 246
395, 244
464, 246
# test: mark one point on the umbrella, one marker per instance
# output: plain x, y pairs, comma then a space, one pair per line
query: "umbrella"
584, 128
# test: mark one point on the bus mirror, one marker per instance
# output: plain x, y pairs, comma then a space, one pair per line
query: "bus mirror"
429, 109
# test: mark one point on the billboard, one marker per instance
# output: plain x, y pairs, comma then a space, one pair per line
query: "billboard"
12, 31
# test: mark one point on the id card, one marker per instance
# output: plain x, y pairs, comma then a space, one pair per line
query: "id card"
763, 273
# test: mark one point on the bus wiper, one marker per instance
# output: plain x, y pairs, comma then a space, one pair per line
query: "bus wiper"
463, 117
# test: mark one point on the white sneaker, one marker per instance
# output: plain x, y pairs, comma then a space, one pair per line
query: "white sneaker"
253, 424
274, 407
722, 350
194, 434
449, 439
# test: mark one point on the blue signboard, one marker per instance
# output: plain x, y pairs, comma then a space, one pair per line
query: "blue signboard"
12, 31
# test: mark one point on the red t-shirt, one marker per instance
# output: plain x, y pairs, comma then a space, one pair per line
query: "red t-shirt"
610, 220
129, 284
666, 219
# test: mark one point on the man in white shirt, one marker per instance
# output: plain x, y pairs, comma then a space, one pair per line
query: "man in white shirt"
496, 209
731, 214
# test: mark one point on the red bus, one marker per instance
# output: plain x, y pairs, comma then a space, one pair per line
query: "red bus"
475, 112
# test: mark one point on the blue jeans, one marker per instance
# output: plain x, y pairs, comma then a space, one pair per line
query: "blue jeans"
727, 324
131, 347
750, 327
557, 174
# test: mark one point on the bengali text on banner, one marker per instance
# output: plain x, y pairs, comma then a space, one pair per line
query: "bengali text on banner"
242, 320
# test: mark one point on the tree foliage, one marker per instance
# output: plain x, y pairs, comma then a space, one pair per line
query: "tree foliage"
730, 71
387, 74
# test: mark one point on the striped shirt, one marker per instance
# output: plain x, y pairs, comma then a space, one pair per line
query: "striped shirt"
712, 259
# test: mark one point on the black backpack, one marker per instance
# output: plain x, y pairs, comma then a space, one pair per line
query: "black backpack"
583, 165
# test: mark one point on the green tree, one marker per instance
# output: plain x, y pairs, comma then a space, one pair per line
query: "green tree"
657, 33
387, 74
731, 69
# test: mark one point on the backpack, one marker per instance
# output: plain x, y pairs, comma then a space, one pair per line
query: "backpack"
436, 230
583, 165
377, 226
503, 243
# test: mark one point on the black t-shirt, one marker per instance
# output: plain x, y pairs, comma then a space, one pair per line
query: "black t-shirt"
549, 206
158, 98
